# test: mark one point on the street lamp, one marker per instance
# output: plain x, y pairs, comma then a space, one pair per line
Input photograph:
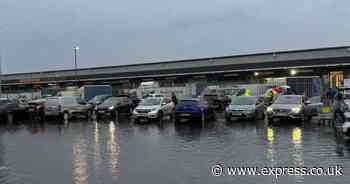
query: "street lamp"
293, 72
76, 48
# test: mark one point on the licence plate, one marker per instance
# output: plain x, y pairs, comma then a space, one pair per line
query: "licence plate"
280, 114
185, 115
236, 114
101, 111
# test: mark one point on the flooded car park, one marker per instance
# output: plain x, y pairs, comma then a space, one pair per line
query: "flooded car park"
81, 151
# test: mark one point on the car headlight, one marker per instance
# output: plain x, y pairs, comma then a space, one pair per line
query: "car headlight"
269, 109
111, 108
154, 109
296, 109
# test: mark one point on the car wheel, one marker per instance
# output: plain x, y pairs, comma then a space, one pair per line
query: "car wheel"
177, 119
309, 118
270, 121
347, 133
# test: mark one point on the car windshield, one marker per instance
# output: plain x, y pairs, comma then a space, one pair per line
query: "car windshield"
98, 98
150, 101
243, 100
69, 100
288, 99
112, 101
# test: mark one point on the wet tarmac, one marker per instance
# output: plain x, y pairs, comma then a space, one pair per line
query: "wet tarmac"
83, 152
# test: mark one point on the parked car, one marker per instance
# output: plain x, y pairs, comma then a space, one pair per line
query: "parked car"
154, 108
287, 107
193, 109
313, 106
66, 107
8, 108
251, 107
114, 106
36, 108
217, 100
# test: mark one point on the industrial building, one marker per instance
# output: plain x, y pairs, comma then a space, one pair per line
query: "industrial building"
330, 64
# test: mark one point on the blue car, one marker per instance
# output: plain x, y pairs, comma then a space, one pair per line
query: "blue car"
193, 109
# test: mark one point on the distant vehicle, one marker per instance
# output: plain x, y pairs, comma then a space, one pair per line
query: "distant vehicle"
154, 108
313, 106
88, 92
251, 107
193, 109
66, 107
217, 99
288, 107
114, 106
36, 108
8, 107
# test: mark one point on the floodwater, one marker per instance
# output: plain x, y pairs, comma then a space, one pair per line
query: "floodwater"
124, 152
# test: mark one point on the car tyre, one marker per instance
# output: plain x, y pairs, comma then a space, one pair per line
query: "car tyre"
270, 121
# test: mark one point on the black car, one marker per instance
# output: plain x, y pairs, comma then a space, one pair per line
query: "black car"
8, 108
114, 106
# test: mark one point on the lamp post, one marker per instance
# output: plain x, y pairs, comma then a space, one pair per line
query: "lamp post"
76, 48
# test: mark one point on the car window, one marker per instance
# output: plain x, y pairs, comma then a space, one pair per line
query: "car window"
289, 99
151, 101
69, 100
243, 100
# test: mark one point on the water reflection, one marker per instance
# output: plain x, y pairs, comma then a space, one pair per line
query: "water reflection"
97, 147
113, 149
80, 165
297, 152
270, 152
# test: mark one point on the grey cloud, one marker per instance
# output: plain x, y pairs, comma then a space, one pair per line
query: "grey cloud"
40, 34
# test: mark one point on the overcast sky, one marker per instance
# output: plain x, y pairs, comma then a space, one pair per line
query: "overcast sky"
38, 35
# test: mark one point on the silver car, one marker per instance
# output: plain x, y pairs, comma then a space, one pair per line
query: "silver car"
66, 107
154, 108
288, 107
251, 107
